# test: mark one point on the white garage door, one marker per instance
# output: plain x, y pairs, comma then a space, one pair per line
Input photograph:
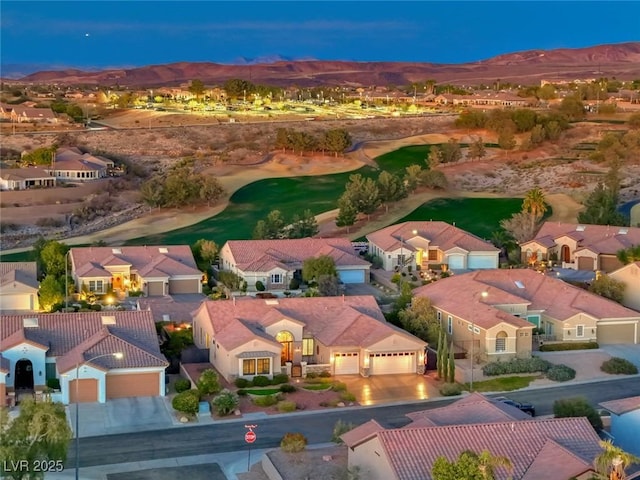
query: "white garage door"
351, 276
455, 262
16, 302
347, 363
392, 362
483, 261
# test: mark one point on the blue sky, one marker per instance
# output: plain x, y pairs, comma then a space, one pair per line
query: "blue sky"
98, 34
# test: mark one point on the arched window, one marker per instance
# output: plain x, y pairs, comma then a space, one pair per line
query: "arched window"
501, 341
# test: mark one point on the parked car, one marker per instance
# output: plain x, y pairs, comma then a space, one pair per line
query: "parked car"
523, 406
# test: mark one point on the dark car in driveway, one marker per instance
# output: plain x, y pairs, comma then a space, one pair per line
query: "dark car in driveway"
523, 406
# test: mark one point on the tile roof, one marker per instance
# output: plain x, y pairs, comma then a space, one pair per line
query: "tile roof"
24, 173
146, 260
334, 321
173, 308
25, 273
623, 405
597, 238
69, 335
361, 432
288, 254
413, 451
461, 295
555, 461
440, 234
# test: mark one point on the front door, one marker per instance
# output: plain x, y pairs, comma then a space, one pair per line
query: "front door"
566, 254
24, 375
286, 340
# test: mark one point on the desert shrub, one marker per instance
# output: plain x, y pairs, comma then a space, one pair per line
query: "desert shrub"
280, 378
242, 392
182, 385
208, 382
53, 383
242, 383
286, 406
293, 442
324, 374
556, 347
186, 402
49, 222
561, 373
260, 286
287, 388
339, 387
261, 381
225, 402
450, 389
516, 365
339, 429
618, 365
347, 397
265, 401
577, 407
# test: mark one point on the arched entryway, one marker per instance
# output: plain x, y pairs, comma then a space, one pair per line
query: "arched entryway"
565, 254
24, 375
286, 340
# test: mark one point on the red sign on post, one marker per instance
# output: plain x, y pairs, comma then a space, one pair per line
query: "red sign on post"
250, 437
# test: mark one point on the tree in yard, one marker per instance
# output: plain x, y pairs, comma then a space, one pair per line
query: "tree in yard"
445, 359
412, 177
347, 213
521, 226
442, 340
476, 149
487, 464
271, 227
38, 435
613, 461
607, 287
196, 87
328, 286
420, 320
208, 382
336, 140
205, 253
451, 366
629, 255
600, 208
504, 241
470, 466
534, 204
52, 258
304, 225
390, 189
363, 193
577, 407
51, 292
316, 267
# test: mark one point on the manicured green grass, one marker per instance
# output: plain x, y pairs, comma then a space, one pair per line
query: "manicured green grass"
397, 161
254, 201
18, 257
265, 391
502, 384
317, 386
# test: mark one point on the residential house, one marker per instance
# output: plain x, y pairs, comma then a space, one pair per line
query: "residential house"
80, 347
431, 245
24, 113
19, 287
342, 335
153, 270
580, 246
502, 307
625, 423
172, 308
71, 164
555, 448
630, 276
24, 178
276, 262
485, 98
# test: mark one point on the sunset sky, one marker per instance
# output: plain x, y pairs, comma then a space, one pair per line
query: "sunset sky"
98, 34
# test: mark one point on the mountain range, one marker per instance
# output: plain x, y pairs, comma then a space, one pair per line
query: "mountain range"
621, 61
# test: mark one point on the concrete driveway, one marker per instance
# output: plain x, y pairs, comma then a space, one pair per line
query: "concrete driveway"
381, 389
628, 352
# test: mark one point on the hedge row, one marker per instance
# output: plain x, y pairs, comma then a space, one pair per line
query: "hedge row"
558, 347
261, 381
516, 365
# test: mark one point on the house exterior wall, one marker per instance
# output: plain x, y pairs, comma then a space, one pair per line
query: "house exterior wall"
19, 297
370, 457
534, 248
630, 276
624, 429
570, 328
26, 351
3, 389
510, 341
234, 363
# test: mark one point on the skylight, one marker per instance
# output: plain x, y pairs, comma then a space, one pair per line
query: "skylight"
163, 250
271, 302
116, 251
580, 228
519, 284
30, 322
623, 231
108, 320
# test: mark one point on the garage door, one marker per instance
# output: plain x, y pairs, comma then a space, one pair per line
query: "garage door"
392, 362
455, 262
624, 333
155, 289
16, 302
133, 385
183, 286
609, 263
347, 363
87, 390
585, 263
351, 276
483, 261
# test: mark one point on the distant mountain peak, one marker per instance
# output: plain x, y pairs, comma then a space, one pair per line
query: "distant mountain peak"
275, 58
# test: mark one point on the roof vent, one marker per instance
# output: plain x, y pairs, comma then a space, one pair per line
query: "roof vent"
271, 301
163, 250
31, 322
108, 320
623, 231
116, 251
166, 317
580, 228
519, 284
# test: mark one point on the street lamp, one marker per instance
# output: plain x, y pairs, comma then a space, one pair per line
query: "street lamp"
473, 328
118, 356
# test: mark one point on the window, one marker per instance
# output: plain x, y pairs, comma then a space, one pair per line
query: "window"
401, 259
249, 366
579, 330
501, 342
50, 370
263, 366
276, 278
307, 346
95, 286
439, 315
449, 324
433, 255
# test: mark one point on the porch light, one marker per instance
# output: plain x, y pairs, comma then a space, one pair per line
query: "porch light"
331, 359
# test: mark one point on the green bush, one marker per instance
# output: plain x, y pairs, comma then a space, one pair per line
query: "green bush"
577, 407
280, 378
312, 375
261, 381
450, 389
617, 365
325, 374
53, 383
242, 392
294, 284
293, 442
516, 365
287, 388
347, 397
182, 385
339, 429
260, 286
339, 387
557, 347
265, 401
225, 402
186, 402
208, 382
286, 406
561, 373
242, 383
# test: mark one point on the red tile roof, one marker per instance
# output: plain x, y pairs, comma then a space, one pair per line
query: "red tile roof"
440, 234
361, 433
623, 405
173, 308
71, 336
555, 461
25, 273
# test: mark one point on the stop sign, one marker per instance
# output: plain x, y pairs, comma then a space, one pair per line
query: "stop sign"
250, 437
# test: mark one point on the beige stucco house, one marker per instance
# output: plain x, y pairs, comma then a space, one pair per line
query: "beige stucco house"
630, 276
71, 164
24, 178
580, 247
431, 245
19, 287
342, 335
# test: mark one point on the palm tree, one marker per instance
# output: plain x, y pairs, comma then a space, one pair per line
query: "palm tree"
613, 461
487, 464
534, 204
629, 255
504, 241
